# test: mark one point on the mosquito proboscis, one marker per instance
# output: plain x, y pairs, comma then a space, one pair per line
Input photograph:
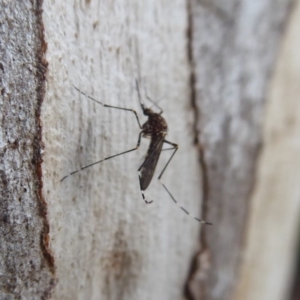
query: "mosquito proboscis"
156, 129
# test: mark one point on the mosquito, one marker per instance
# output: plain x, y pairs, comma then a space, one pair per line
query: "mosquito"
156, 129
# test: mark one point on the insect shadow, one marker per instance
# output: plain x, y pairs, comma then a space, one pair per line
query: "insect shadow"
156, 129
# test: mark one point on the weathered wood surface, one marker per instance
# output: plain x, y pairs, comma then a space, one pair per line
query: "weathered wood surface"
106, 242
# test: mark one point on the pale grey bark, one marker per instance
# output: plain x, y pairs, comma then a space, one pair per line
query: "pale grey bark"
107, 243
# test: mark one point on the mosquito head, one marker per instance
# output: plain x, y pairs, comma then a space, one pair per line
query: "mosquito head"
147, 111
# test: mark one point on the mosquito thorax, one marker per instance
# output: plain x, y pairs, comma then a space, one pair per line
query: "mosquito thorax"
155, 125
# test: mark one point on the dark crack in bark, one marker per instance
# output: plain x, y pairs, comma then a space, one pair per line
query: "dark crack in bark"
41, 65
195, 264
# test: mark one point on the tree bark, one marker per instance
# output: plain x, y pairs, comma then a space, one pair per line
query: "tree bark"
91, 236
26, 264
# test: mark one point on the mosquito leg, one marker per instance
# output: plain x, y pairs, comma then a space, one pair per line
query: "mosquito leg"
127, 109
107, 158
175, 147
110, 106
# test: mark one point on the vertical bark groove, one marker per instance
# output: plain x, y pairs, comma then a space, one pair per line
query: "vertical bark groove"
195, 264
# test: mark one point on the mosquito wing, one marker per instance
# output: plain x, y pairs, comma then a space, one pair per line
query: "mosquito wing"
151, 160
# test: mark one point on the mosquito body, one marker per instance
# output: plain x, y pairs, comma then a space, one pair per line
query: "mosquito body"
156, 129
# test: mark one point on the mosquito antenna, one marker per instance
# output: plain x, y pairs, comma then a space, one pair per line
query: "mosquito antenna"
154, 102
139, 95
